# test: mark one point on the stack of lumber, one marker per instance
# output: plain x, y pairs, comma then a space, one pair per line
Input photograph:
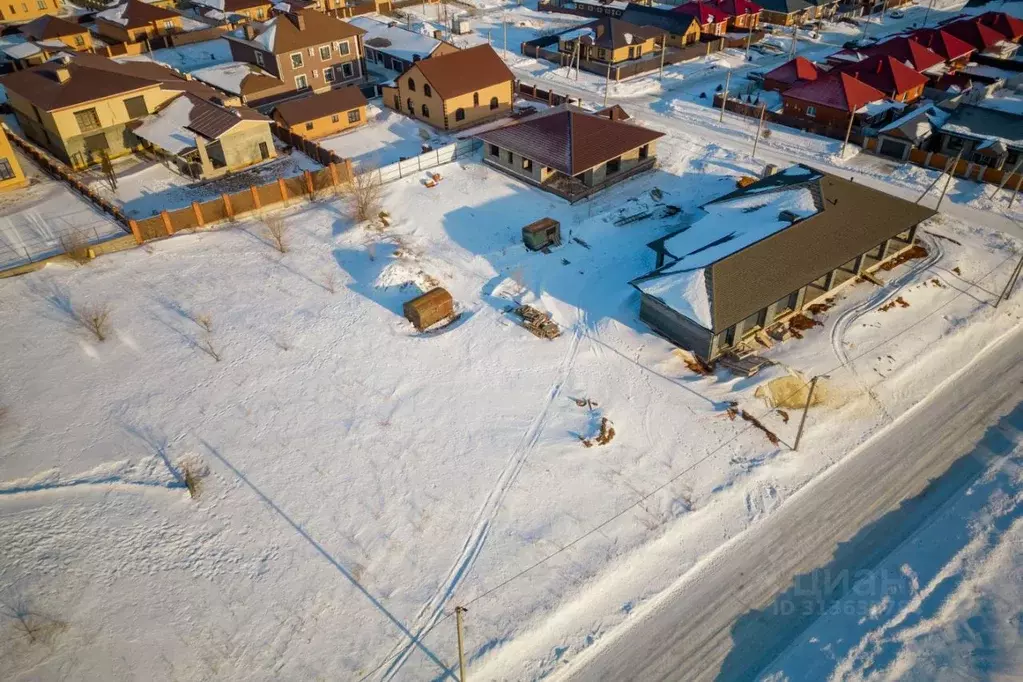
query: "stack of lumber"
538, 322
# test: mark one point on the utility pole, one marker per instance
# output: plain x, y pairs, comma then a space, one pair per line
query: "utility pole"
806, 408
951, 172
664, 47
760, 126
488, 37
927, 12
459, 610
792, 47
578, 54
749, 39
607, 83
848, 134
724, 97
1006, 178
504, 25
1011, 283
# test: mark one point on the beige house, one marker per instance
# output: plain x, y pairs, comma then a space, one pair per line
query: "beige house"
610, 41
11, 175
53, 30
83, 107
455, 90
135, 20
251, 10
325, 114
27, 10
205, 139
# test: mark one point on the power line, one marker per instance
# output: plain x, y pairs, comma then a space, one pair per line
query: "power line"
603, 524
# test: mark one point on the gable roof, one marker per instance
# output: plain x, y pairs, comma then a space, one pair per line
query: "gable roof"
136, 14
786, 6
704, 11
794, 71
175, 127
298, 30
464, 71
312, 107
943, 43
908, 51
232, 6
980, 36
839, 91
238, 78
737, 8
49, 26
569, 139
886, 74
395, 40
1006, 24
985, 123
667, 20
611, 33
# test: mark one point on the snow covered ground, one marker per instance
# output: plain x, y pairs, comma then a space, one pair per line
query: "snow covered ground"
387, 137
32, 219
358, 479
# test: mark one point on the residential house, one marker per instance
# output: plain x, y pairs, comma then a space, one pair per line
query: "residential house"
982, 135
328, 113
570, 152
954, 51
1006, 24
681, 29
795, 12
83, 107
11, 175
910, 131
910, 52
27, 10
829, 101
51, 28
205, 139
793, 72
765, 252
455, 90
392, 47
609, 41
897, 81
134, 20
713, 19
743, 15
982, 37
237, 11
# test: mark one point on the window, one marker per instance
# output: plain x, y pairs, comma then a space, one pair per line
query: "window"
411, 106
79, 41
527, 165
136, 107
346, 70
259, 58
296, 60
427, 90
411, 85
6, 172
168, 24
343, 47
494, 103
426, 111
309, 125
301, 83
324, 52
511, 157
494, 151
328, 75
24, 7
953, 144
613, 166
87, 120
335, 118
475, 99
459, 114
259, 13
811, 111
264, 151
644, 151
96, 143
11, 7
41, 4
354, 116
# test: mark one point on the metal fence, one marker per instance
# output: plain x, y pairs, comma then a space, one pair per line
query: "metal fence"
431, 159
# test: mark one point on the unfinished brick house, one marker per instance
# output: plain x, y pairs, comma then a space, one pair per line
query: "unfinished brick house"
830, 100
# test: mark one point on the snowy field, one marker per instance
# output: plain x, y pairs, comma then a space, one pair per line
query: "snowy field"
386, 138
32, 219
358, 480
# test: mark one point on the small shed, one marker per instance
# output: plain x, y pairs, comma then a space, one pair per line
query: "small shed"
429, 309
541, 234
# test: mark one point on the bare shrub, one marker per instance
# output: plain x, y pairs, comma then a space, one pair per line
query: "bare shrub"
192, 476
208, 345
96, 318
75, 245
205, 320
35, 627
329, 281
362, 193
277, 230
766, 134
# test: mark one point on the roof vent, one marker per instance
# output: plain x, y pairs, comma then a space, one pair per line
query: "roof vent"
787, 216
63, 74
250, 32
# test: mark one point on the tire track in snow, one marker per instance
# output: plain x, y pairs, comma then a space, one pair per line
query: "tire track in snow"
434, 608
883, 295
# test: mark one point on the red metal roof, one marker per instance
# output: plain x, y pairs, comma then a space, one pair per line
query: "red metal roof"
734, 8
908, 51
975, 33
840, 91
887, 74
942, 42
705, 12
1006, 24
794, 71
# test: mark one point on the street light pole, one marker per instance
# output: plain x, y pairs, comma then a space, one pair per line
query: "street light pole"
806, 408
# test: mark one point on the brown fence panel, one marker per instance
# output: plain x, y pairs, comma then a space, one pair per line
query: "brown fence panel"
295, 186
1014, 181
183, 219
151, 228
992, 175
321, 179
962, 167
917, 156
241, 202
213, 210
269, 194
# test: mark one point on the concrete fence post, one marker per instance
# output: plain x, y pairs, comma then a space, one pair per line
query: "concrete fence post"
134, 226
228, 209
167, 223
255, 197
198, 213
308, 182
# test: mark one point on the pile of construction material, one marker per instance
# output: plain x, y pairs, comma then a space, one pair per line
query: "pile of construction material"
537, 322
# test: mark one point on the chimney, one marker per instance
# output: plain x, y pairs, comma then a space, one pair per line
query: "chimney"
250, 32
300, 21
63, 74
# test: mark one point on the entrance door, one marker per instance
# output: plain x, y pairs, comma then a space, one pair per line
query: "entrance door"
264, 151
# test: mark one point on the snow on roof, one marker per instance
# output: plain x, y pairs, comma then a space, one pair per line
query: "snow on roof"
21, 50
986, 71
188, 24
1004, 100
266, 38
684, 291
872, 109
395, 40
918, 122
114, 15
574, 33
167, 129
617, 4
229, 76
53, 42
986, 123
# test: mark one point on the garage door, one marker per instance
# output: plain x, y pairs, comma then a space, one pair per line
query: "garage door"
894, 149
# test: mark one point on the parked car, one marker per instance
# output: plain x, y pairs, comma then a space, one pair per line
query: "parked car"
897, 14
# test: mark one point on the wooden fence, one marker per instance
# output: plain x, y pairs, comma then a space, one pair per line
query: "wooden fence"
549, 96
164, 41
737, 106
314, 151
964, 169
538, 49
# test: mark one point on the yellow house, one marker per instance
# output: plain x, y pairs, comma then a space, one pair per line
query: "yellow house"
84, 107
134, 20
11, 175
609, 41
55, 30
27, 10
331, 112
455, 90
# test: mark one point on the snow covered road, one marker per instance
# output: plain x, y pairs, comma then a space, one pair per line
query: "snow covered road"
726, 621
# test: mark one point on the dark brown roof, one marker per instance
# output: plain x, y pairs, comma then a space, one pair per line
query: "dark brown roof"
464, 71
615, 113
230, 6
49, 26
317, 106
611, 33
136, 14
569, 139
282, 34
213, 120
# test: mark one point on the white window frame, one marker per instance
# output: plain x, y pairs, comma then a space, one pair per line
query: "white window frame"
322, 48
301, 62
343, 47
168, 24
328, 75
811, 111
305, 82
347, 66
